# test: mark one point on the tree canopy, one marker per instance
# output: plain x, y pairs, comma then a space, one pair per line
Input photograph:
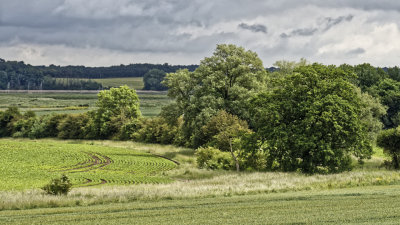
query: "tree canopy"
224, 81
152, 80
312, 121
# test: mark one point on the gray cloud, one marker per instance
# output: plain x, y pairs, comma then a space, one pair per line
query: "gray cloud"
356, 51
253, 28
331, 22
173, 30
300, 32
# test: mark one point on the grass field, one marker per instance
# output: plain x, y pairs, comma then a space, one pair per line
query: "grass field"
31, 164
46, 103
367, 205
367, 195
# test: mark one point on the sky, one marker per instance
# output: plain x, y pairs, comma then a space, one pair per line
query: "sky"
114, 32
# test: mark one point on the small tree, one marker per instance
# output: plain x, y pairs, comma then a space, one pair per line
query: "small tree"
389, 140
152, 80
58, 186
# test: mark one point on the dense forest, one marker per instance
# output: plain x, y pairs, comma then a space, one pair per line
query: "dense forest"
16, 75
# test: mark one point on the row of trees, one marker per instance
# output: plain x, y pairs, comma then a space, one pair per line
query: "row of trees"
21, 76
309, 118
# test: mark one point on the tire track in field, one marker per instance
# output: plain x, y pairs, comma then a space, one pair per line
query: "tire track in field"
97, 161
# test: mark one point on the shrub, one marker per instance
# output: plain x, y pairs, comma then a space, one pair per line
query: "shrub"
389, 140
155, 130
58, 186
212, 158
73, 126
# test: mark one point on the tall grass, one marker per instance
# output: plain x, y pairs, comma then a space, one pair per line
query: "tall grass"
226, 184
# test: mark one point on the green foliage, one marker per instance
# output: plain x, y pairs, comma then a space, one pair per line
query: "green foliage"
22, 126
152, 80
388, 91
156, 130
368, 75
6, 121
116, 107
311, 122
224, 81
371, 113
58, 186
46, 126
222, 130
212, 158
389, 140
73, 126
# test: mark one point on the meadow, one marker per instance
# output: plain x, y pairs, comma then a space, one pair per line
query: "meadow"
75, 102
370, 205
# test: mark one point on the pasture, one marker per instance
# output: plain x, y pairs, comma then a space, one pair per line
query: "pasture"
75, 102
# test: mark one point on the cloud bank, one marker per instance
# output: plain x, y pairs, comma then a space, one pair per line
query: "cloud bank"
103, 32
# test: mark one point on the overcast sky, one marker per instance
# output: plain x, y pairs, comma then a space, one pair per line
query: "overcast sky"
113, 32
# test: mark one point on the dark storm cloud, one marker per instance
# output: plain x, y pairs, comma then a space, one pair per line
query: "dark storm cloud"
253, 28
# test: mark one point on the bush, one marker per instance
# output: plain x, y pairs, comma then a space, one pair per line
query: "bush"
73, 126
58, 186
46, 126
222, 127
212, 158
389, 140
155, 130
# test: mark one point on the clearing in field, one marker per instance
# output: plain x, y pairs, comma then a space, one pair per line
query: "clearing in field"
31, 164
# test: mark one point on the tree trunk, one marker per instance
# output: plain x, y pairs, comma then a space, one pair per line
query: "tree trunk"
233, 156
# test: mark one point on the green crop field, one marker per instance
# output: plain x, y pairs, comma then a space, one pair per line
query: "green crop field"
132, 82
46, 103
31, 164
369, 205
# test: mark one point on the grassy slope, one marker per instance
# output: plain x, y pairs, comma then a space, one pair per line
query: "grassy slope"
372, 205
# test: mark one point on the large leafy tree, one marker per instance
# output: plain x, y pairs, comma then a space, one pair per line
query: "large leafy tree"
224, 81
312, 121
117, 109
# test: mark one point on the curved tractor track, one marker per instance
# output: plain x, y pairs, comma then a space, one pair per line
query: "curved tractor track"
97, 161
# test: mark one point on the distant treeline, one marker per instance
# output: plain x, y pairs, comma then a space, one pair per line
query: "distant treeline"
20, 76
131, 70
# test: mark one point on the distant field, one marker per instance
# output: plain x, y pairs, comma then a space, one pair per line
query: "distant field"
132, 82
31, 164
366, 205
46, 103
